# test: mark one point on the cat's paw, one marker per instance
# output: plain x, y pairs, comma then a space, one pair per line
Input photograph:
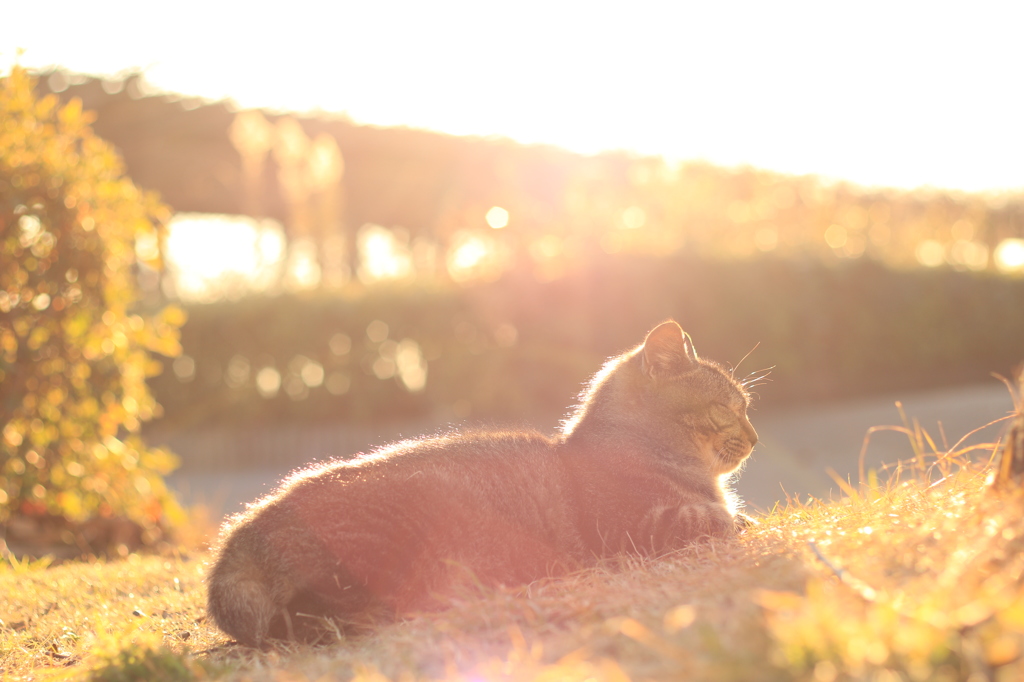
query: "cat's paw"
744, 522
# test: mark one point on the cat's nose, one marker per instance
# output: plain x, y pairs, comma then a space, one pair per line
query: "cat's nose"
751, 433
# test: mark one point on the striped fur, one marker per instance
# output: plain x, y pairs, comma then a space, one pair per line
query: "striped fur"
637, 469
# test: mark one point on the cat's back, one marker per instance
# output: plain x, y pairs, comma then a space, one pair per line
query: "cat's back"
463, 497
472, 459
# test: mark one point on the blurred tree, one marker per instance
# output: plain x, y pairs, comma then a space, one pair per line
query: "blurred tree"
253, 136
73, 350
335, 246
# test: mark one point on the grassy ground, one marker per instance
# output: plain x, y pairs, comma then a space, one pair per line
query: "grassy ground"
918, 580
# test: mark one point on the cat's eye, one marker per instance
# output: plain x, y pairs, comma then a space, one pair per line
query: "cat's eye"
721, 416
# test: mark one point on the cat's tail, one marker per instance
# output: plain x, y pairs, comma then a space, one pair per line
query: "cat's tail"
242, 595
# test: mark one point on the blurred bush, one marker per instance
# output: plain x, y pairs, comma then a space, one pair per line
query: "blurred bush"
74, 350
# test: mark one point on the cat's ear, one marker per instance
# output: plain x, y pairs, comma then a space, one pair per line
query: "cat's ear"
668, 350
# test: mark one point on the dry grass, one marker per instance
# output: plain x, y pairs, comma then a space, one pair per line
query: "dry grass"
913, 580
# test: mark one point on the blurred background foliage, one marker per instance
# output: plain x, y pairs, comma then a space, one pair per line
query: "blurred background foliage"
519, 349
75, 349
344, 273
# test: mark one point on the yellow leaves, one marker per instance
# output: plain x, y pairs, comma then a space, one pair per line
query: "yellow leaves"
159, 460
639, 632
777, 601
153, 367
119, 340
70, 116
71, 504
1002, 650
173, 316
81, 356
13, 433
679, 618
929, 620
365, 673
76, 325
525, 662
1012, 617
831, 623
22, 326
38, 336
160, 335
80, 372
8, 345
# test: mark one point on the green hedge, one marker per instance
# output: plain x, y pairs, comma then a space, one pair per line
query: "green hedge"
830, 332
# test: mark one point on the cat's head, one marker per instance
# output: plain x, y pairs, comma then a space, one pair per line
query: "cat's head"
663, 392
695, 396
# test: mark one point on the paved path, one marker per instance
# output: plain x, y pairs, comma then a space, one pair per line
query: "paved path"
798, 446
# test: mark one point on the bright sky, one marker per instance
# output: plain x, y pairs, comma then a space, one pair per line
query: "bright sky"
899, 93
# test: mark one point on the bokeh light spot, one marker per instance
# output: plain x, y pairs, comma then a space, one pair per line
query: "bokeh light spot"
268, 382
835, 236
412, 367
633, 218
474, 255
1009, 255
497, 217
377, 331
303, 271
383, 368
930, 253
312, 374
340, 344
184, 368
384, 254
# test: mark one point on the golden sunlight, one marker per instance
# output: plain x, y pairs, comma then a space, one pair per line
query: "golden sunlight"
474, 255
972, 255
303, 270
211, 256
764, 52
1009, 255
384, 255
634, 218
497, 217
930, 253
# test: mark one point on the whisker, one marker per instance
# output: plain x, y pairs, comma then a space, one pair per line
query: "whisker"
733, 372
754, 380
757, 374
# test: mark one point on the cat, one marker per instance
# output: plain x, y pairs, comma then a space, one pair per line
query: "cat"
638, 468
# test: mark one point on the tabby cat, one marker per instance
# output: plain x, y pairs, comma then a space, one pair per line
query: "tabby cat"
637, 469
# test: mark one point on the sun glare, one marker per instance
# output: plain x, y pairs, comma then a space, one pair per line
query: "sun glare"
497, 217
468, 254
1009, 255
656, 93
303, 270
384, 255
634, 218
475, 255
216, 255
931, 253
